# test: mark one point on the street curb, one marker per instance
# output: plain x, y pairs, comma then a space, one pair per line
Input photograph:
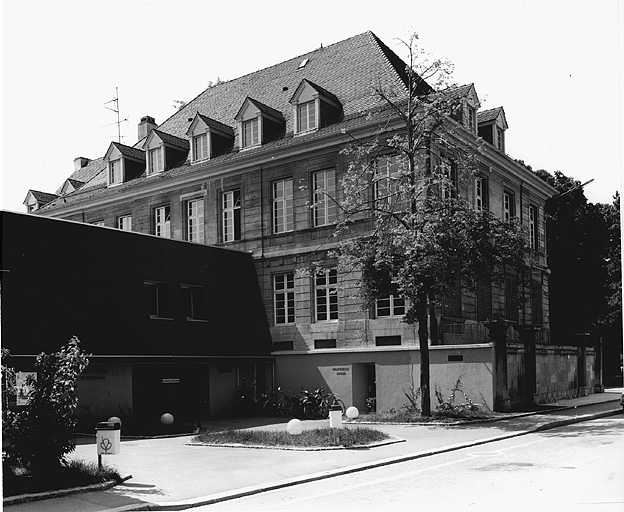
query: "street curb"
250, 491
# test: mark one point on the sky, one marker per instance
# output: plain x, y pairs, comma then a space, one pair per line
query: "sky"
554, 65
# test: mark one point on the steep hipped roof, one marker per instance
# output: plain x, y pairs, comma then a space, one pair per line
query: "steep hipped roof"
348, 70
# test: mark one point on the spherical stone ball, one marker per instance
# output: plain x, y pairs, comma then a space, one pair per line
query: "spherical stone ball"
294, 427
114, 419
352, 413
166, 419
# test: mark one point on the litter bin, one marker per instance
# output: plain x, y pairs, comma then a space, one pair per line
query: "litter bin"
108, 437
335, 416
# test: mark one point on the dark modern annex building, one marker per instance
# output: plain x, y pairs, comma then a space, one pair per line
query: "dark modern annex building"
171, 326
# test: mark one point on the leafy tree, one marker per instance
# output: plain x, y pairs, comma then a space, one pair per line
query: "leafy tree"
42, 433
421, 237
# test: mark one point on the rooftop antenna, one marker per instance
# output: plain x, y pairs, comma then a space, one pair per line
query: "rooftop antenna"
115, 109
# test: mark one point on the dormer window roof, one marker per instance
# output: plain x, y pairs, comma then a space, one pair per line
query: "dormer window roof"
465, 105
258, 123
36, 199
70, 186
164, 151
314, 107
492, 126
123, 163
209, 138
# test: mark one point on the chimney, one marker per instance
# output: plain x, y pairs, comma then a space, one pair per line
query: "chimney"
146, 125
80, 162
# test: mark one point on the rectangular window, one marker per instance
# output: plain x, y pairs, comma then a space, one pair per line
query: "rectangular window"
125, 223
325, 343
306, 116
193, 300
509, 206
499, 139
533, 227
283, 209
231, 210
390, 306
326, 295
324, 188
387, 341
386, 170
200, 147
472, 118
158, 299
250, 133
195, 220
448, 178
154, 160
162, 221
114, 169
481, 194
284, 298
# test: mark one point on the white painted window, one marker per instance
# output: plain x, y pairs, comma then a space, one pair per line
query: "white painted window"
155, 160
162, 221
250, 133
509, 206
125, 223
306, 116
195, 220
533, 227
200, 147
284, 298
231, 211
481, 199
283, 210
390, 306
326, 295
114, 172
324, 197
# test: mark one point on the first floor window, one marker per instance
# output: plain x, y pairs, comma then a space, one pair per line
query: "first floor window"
200, 147
306, 116
162, 221
283, 206
326, 295
195, 220
155, 160
193, 300
125, 223
114, 169
158, 299
390, 306
250, 133
231, 211
509, 206
324, 199
284, 298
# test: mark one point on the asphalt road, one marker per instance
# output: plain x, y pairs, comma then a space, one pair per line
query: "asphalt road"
577, 467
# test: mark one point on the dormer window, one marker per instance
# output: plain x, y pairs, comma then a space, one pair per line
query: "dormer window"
258, 123
35, 200
250, 133
314, 107
115, 176
155, 161
492, 126
123, 163
164, 151
209, 138
472, 118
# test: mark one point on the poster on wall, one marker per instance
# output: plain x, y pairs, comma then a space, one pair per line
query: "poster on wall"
24, 387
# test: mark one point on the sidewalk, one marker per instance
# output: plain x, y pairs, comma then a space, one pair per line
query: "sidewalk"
171, 474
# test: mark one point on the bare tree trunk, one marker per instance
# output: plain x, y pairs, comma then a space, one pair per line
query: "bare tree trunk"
423, 338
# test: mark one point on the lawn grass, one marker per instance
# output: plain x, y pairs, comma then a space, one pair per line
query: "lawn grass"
404, 416
75, 473
312, 438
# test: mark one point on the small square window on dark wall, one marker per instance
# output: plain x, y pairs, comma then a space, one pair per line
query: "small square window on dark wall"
327, 343
386, 341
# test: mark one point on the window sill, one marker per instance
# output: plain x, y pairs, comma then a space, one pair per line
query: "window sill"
154, 317
197, 320
305, 132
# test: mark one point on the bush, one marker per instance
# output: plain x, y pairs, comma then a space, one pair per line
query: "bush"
42, 433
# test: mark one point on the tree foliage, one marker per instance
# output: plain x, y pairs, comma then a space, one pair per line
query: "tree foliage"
424, 237
42, 432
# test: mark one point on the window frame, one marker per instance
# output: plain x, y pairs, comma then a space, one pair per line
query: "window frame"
195, 294
533, 227
309, 107
324, 209
231, 212
286, 296
166, 223
195, 234
509, 206
283, 206
115, 172
481, 194
254, 122
392, 306
201, 150
121, 221
162, 302
326, 295
155, 160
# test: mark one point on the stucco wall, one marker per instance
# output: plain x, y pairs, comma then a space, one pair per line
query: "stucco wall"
105, 391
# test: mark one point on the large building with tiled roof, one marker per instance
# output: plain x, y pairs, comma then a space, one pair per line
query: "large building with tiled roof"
241, 166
